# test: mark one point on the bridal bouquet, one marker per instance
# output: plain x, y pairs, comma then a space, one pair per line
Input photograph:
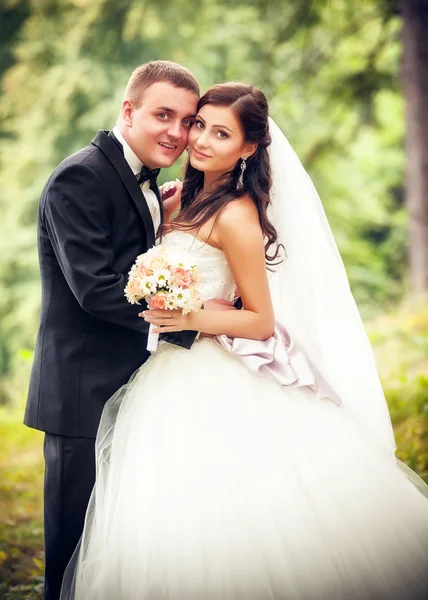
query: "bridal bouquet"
166, 280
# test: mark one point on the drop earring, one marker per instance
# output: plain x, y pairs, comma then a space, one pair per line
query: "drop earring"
240, 184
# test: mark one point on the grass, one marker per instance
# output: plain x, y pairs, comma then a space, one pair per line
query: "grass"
21, 522
400, 343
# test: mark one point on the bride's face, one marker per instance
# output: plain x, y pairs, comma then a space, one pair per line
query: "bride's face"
216, 140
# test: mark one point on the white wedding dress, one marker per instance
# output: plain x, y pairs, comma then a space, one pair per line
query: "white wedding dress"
215, 483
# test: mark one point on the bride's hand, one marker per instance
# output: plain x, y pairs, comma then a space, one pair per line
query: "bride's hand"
173, 320
171, 197
166, 321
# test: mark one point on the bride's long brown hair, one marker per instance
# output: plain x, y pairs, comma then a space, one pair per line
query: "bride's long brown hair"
251, 108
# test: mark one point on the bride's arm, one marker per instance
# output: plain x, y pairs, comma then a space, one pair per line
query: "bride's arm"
239, 234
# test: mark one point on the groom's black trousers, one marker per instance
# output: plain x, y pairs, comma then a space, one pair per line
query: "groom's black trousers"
69, 479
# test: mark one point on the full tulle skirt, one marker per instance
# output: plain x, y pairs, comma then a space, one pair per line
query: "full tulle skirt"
214, 483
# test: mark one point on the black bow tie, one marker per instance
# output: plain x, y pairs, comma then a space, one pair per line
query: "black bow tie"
148, 175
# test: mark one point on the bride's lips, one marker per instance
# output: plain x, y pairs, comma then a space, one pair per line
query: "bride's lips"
200, 154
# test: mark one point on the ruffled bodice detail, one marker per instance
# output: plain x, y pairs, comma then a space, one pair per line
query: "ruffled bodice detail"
216, 279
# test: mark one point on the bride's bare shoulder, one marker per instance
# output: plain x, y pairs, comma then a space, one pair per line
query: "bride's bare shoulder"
240, 212
238, 226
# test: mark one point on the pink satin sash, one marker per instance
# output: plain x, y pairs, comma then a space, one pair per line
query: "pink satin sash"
279, 358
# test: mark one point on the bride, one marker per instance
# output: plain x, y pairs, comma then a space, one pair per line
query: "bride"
260, 464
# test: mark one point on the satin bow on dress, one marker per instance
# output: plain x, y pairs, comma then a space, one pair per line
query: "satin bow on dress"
279, 358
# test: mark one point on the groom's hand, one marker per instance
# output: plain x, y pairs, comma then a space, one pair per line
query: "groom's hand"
171, 197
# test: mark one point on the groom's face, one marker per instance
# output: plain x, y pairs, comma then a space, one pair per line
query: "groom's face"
158, 129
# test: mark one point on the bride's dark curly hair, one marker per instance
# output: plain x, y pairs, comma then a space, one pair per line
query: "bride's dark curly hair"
251, 108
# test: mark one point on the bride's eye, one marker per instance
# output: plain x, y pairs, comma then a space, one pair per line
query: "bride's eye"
222, 135
199, 124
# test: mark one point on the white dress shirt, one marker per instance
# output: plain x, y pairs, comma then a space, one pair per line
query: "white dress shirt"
135, 165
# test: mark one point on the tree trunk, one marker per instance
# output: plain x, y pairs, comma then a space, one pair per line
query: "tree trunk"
415, 83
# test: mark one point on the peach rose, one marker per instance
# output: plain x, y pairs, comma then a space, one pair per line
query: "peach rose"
134, 287
132, 291
182, 278
144, 271
157, 262
159, 301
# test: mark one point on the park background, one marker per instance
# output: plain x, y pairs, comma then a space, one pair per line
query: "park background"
347, 81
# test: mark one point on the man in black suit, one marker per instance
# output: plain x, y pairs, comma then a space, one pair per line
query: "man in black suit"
99, 210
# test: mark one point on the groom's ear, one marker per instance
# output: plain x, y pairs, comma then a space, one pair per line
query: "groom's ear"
126, 111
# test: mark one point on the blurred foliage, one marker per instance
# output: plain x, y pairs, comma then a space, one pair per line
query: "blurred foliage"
400, 342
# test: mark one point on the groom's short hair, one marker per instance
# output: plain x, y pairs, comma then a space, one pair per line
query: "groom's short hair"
158, 70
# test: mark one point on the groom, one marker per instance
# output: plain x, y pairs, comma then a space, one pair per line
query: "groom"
100, 208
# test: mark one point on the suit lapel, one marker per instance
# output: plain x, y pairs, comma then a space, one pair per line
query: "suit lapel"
115, 156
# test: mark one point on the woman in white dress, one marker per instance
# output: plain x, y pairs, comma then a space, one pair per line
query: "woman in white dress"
260, 464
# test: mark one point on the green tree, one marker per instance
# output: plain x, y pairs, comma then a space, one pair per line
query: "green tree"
415, 83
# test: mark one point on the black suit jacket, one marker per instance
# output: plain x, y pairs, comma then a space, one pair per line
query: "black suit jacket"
93, 221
